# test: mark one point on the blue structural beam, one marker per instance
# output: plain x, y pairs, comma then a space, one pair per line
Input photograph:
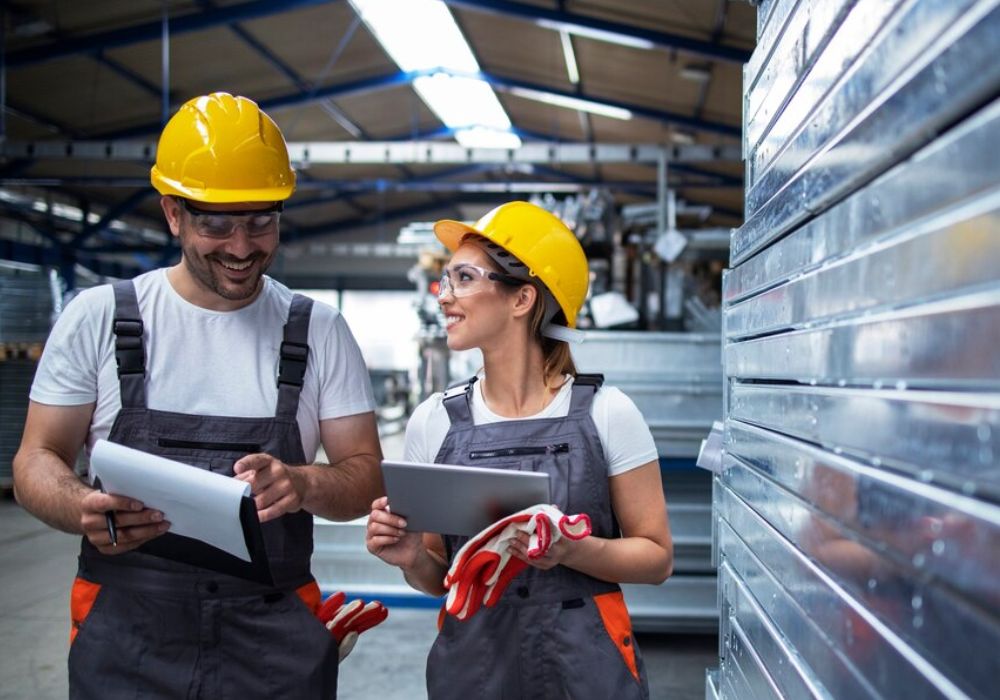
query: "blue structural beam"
376, 217
149, 31
672, 464
533, 13
402, 600
501, 83
383, 82
295, 99
63, 258
118, 210
649, 191
129, 75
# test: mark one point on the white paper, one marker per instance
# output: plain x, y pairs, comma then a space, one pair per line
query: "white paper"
197, 503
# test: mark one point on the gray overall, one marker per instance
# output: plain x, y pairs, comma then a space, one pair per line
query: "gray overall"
556, 633
161, 629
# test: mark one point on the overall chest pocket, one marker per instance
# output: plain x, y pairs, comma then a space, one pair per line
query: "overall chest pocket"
216, 456
553, 459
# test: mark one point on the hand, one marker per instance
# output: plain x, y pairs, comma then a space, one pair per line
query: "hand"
347, 622
559, 551
277, 488
135, 525
388, 539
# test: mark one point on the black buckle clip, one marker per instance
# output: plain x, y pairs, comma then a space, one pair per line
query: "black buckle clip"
128, 327
129, 354
292, 363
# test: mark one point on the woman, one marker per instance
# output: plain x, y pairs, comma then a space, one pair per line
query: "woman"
513, 288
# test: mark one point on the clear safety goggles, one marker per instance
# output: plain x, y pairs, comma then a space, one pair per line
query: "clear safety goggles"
465, 280
214, 224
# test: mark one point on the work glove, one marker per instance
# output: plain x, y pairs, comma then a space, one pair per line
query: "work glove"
484, 567
347, 622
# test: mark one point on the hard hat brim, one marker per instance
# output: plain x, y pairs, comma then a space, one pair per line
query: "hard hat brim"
166, 186
451, 233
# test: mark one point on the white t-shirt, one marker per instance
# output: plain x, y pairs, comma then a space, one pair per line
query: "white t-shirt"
626, 446
198, 361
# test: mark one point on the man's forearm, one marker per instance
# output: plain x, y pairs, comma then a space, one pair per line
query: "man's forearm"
47, 488
341, 491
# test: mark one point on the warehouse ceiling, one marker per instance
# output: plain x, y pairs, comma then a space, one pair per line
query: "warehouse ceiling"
93, 72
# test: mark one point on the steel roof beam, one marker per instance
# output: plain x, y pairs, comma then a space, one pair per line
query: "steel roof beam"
383, 82
296, 99
306, 232
129, 75
56, 257
533, 13
396, 152
118, 210
347, 187
675, 118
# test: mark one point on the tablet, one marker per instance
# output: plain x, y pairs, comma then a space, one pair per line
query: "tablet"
457, 500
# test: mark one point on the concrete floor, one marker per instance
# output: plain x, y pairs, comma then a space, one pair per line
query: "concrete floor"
388, 662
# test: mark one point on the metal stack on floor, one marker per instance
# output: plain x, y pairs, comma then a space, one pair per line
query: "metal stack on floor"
26, 305
857, 510
675, 379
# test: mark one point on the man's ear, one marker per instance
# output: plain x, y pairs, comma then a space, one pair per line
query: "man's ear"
524, 300
172, 211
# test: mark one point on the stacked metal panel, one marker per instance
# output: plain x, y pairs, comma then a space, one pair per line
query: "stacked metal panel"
858, 525
675, 379
26, 305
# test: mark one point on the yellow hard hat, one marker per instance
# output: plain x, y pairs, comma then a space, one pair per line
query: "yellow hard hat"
220, 148
538, 239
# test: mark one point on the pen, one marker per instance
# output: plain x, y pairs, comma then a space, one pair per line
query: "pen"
109, 516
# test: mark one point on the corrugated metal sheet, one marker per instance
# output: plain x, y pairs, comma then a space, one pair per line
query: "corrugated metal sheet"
858, 505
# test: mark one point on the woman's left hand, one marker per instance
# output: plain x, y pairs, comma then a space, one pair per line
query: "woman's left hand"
558, 553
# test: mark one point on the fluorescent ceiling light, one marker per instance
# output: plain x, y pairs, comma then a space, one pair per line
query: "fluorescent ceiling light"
462, 102
598, 34
567, 47
577, 103
417, 34
421, 35
481, 137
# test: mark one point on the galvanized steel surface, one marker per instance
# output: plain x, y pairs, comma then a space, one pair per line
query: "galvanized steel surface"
951, 70
674, 379
857, 523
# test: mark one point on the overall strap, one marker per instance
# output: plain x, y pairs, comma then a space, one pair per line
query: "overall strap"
457, 401
584, 389
130, 351
293, 356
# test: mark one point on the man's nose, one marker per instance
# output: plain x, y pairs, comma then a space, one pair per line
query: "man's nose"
239, 242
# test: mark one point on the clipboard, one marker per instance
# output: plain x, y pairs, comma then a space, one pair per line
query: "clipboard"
213, 517
188, 550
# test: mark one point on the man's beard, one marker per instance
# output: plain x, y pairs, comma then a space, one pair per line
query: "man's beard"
203, 268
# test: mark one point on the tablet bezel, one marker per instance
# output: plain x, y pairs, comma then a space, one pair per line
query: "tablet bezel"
457, 499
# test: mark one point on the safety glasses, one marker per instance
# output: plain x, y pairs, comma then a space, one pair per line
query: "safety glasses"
465, 280
220, 225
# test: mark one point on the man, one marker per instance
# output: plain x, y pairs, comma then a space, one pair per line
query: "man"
212, 363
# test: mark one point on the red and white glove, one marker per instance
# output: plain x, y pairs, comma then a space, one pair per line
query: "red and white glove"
484, 567
347, 622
